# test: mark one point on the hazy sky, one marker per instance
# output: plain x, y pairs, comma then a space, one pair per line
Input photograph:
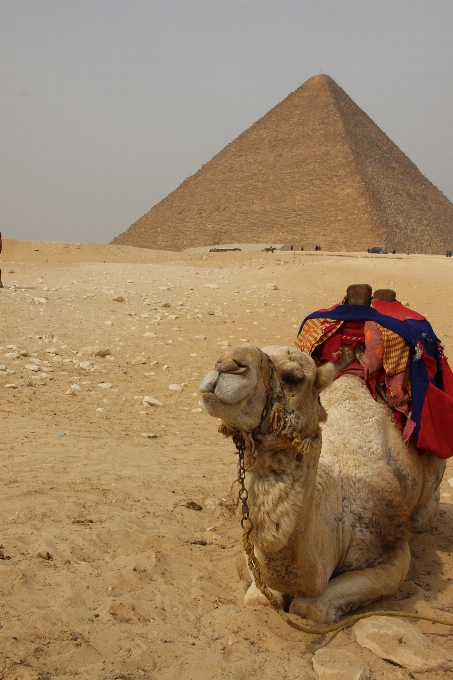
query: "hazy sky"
108, 106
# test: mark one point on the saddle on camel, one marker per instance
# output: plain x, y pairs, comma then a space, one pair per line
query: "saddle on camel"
398, 355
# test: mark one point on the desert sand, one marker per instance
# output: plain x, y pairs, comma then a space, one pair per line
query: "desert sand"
105, 573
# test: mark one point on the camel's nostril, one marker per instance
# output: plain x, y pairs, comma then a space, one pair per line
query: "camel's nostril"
209, 383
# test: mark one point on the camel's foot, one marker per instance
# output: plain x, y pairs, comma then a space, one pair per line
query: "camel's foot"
354, 589
254, 597
314, 609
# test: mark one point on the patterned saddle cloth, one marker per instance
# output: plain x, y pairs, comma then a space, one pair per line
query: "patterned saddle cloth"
399, 357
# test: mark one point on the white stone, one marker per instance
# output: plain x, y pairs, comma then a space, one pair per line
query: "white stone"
40, 301
152, 401
201, 337
197, 410
149, 335
402, 644
24, 353
32, 367
194, 354
211, 285
35, 360
272, 286
108, 323
211, 503
106, 385
338, 664
2, 367
85, 365
175, 387
147, 435
12, 355
57, 358
139, 360
118, 298
172, 317
450, 481
100, 410
11, 385
75, 386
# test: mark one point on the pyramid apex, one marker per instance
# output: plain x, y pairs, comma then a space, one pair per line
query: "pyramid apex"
320, 78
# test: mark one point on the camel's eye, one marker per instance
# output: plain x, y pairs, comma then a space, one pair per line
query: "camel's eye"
293, 375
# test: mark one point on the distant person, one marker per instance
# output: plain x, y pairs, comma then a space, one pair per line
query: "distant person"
292, 248
302, 248
394, 251
407, 252
316, 249
369, 250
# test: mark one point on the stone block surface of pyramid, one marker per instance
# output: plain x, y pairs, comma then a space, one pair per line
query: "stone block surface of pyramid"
314, 170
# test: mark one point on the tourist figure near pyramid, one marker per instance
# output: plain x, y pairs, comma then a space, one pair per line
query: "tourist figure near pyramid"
314, 170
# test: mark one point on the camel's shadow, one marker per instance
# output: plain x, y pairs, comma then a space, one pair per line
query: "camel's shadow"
429, 580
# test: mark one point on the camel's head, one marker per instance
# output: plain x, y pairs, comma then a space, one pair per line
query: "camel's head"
237, 390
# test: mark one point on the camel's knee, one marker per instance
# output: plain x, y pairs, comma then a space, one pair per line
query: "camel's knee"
390, 574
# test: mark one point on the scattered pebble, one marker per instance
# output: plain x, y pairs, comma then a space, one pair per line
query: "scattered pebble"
95, 351
272, 286
175, 387
101, 410
45, 555
86, 365
338, 664
105, 385
191, 505
108, 323
149, 335
152, 401
147, 435
118, 298
32, 367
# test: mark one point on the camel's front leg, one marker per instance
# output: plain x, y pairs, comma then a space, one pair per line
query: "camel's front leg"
354, 589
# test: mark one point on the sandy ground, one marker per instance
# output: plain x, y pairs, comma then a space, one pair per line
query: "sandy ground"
104, 575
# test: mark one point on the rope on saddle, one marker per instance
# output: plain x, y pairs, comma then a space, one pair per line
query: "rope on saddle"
255, 570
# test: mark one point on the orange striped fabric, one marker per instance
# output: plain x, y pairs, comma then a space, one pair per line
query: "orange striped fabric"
314, 333
396, 352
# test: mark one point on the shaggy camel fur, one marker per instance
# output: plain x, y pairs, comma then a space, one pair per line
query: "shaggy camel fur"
331, 527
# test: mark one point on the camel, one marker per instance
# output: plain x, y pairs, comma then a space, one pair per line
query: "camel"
332, 509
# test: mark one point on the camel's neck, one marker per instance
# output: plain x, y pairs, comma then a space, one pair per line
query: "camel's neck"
281, 485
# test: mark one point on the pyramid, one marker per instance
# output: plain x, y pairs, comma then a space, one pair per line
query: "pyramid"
314, 170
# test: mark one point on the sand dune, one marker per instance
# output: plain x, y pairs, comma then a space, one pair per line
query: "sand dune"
106, 573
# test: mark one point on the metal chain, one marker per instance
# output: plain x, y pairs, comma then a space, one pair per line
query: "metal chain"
243, 494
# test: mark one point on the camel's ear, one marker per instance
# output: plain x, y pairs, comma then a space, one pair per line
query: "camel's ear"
324, 376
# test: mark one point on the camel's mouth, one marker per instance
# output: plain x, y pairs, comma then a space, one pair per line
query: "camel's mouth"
229, 388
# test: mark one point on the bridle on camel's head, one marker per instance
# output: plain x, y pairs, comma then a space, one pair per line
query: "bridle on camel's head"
276, 412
